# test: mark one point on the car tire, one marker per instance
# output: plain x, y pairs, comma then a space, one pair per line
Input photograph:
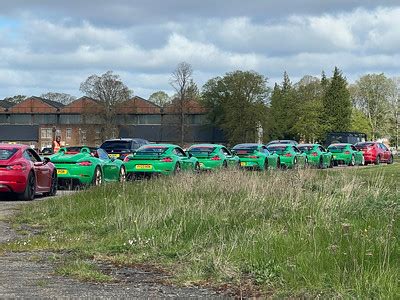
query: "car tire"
265, 168
321, 163
97, 177
331, 163
30, 188
294, 165
197, 168
53, 187
390, 160
122, 174
278, 163
378, 160
224, 165
177, 168
352, 162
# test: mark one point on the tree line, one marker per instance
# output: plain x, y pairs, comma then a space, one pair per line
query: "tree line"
243, 105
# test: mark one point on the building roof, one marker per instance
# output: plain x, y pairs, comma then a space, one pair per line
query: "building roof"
55, 104
6, 104
19, 133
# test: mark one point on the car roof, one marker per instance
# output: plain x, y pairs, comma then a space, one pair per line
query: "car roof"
13, 146
280, 145
341, 144
125, 140
161, 145
248, 144
308, 145
206, 145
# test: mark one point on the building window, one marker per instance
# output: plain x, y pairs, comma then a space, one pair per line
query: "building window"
68, 133
82, 135
46, 133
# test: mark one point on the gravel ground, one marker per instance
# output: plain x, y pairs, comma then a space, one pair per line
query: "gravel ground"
31, 275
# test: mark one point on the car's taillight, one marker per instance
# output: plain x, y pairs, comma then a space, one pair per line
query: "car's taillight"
347, 152
253, 156
18, 167
127, 158
314, 154
288, 154
84, 163
167, 159
216, 157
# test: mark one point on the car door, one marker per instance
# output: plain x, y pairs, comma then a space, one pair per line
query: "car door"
42, 171
386, 152
110, 168
272, 159
325, 155
301, 157
228, 156
357, 154
185, 160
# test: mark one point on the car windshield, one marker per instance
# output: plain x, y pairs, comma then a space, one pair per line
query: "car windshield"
120, 145
148, 150
277, 149
244, 149
7, 153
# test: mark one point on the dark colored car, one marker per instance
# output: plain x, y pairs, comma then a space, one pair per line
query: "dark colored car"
121, 148
47, 151
274, 142
24, 173
375, 152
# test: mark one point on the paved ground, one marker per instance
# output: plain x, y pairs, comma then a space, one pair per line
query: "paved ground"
32, 274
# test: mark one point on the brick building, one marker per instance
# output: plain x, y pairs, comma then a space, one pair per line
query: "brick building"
36, 121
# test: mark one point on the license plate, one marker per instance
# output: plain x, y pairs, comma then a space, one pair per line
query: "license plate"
62, 172
143, 167
243, 164
113, 155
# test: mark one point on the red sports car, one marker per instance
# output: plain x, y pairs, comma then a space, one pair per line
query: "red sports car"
24, 173
375, 152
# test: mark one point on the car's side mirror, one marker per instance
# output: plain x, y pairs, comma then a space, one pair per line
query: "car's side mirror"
46, 160
189, 154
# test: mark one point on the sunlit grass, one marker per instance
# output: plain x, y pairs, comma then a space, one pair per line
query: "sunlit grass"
293, 233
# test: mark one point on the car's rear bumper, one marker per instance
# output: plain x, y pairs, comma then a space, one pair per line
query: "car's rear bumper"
156, 167
79, 174
249, 163
15, 183
341, 158
207, 164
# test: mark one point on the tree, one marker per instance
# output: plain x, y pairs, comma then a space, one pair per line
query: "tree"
308, 92
236, 103
336, 102
394, 103
16, 99
160, 98
283, 111
109, 90
59, 97
359, 122
181, 80
371, 95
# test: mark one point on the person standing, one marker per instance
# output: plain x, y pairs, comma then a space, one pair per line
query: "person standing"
57, 144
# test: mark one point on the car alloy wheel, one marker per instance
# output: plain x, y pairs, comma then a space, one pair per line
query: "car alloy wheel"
390, 161
266, 164
177, 168
98, 177
353, 161
197, 168
122, 174
30, 189
53, 187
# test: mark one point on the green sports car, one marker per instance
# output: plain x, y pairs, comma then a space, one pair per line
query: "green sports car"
160, 159
289, 155
212, 156
86, 165
256, 156
317, 155
346, 154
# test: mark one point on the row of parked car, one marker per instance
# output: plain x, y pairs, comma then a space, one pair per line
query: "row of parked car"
24, 172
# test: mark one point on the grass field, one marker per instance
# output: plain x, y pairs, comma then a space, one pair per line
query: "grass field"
305, 233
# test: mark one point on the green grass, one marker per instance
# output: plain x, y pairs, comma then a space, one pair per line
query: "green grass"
306, 233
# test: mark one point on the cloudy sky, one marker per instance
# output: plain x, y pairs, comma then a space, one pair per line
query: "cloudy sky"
48, 45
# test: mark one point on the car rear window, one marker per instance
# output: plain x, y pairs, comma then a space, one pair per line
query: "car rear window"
364, 145
244, 149
7, 153
337, 148
152, 150
306, 148
202, 149
116, 145
277, 149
